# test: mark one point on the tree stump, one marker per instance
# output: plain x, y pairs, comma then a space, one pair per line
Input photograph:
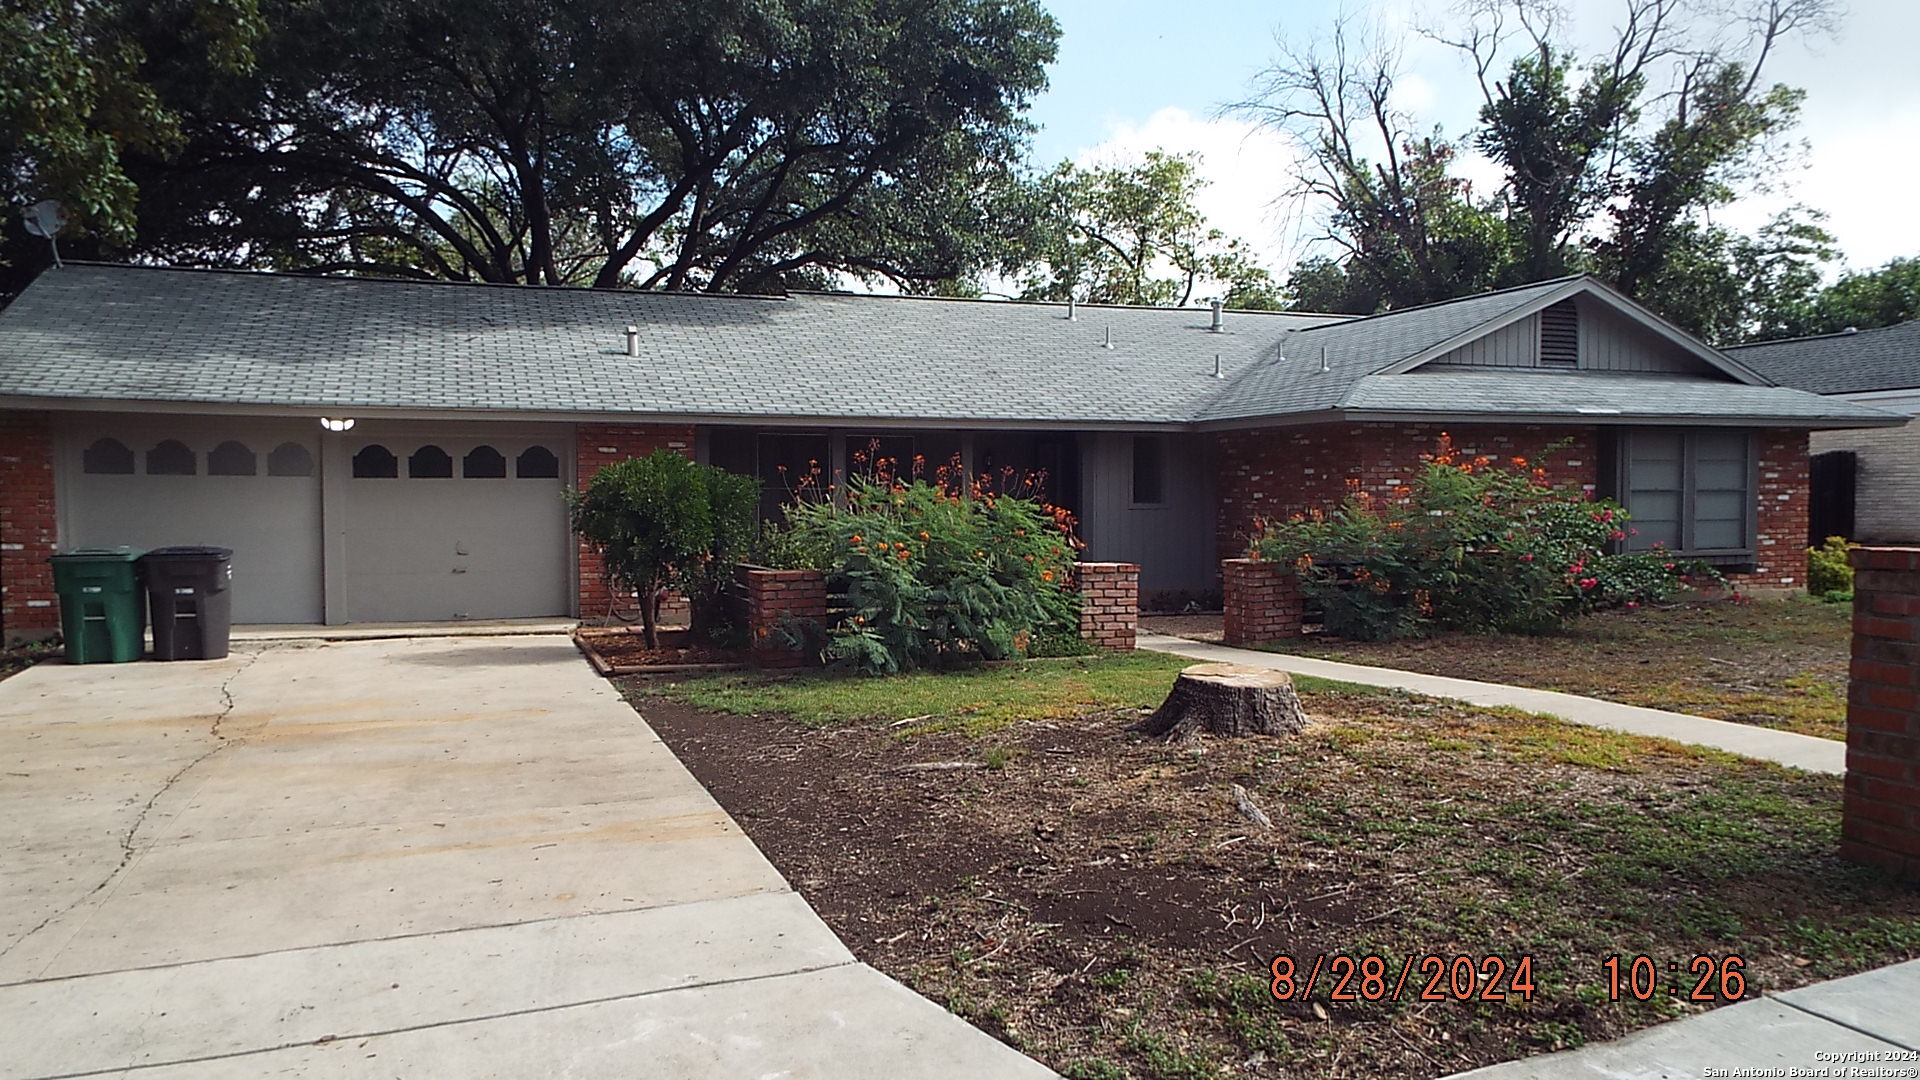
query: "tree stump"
1228, 699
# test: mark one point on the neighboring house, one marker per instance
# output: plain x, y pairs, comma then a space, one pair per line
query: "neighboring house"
150, 406
1867, 482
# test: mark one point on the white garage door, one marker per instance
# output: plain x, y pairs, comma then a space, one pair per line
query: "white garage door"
252, 486
455, 527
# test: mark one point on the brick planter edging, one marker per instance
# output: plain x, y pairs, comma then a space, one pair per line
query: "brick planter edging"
1261, 600
27, 605
1880, 811
1109, 603
782, 597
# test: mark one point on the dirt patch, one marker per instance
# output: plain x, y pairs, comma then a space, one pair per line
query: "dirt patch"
1092, 897
628, 648
1192, 627
19, 658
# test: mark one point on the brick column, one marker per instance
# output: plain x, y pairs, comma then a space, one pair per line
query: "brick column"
775, 597
1109, 603
1881, 810
1262, 601
596, 446
27, 605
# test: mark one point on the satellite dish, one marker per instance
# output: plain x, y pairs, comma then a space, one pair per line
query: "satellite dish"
45, 219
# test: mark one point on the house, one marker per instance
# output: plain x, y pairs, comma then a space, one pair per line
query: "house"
390, 450
1866, 482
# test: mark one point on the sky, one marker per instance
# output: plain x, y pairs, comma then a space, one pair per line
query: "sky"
1134, 76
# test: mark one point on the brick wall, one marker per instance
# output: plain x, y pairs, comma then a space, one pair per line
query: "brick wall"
27, 531
1262, 601
1268, 473
1109, 603
600, 445
1881, 809
1780, 551
777, 596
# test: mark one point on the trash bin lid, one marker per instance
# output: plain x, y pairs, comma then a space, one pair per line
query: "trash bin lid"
100, 554
190, 551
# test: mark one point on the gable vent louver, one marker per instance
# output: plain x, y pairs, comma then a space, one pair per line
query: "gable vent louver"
1560, 336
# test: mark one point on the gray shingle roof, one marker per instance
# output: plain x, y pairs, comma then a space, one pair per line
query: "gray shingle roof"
1884, 359
189, 337
1600, 395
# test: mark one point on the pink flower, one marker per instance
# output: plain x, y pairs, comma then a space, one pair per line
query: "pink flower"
1588, 583
1631, 604
1669, 566
1527, 557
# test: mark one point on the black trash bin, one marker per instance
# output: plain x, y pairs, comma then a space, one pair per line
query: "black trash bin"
190, 592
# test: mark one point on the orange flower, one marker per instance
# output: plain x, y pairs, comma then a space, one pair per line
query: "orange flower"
1519, 462
1046, 575
1029, 558
905, 554
924, 536
857, 538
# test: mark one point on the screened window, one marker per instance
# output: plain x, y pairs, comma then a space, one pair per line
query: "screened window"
107, 456
1688, 491
232, 459
483, 463
292, 459
1149, 470
536, 463
171, 457
375, 462
430, 463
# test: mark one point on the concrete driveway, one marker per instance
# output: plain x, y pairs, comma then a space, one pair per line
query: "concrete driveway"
422, 857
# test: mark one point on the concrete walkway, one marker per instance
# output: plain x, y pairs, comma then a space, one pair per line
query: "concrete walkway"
418, 857
1867, 1021
1784, 747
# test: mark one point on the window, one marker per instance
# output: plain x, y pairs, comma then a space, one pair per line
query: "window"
171, 457
1149, 470
430, 463
292, 459
232, 459
537, 463
483, 463
107, 456
1688, 491
375, 462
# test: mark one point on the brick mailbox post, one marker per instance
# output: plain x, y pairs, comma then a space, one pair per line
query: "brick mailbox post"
775, 597
1109, 603
1881, 811
1262, 601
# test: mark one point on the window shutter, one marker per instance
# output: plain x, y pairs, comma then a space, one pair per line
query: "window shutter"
1560, 336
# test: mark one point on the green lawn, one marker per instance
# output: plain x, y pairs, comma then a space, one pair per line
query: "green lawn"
978, 700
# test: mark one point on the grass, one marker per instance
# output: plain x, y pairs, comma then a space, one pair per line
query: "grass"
974, 701
1778, 664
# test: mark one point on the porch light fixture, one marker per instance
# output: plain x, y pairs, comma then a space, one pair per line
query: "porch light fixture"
344, 423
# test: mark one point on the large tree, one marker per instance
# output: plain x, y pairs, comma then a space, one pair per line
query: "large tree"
682, 144
1132, 234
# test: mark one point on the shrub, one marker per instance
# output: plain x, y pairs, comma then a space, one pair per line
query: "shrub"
932, 574
665, 521
1829, 575
1471, 544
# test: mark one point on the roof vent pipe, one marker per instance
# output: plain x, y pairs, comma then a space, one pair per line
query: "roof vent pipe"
1323, 360
1109, 342
1217, 323
1070, 314
1216, 367
633, 341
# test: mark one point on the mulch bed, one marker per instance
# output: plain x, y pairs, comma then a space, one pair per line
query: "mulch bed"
621, 651
1091, 897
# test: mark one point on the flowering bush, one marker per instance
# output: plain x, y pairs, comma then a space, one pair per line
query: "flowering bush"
932, 573
1471, 544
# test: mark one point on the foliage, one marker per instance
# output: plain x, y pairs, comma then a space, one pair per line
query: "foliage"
1860, 300
1472, 544
1132, 235
934, 573
1829, 574
728, 145
75, 96
664, 521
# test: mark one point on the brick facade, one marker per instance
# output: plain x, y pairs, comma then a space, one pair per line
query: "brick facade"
1880, 822
595, 447
1109, 603
1262, 601
27, 530
782, 596
1269, 473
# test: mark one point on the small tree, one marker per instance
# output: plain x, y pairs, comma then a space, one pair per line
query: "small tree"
663, 520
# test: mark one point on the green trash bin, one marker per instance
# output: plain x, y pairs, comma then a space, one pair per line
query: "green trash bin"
103, 609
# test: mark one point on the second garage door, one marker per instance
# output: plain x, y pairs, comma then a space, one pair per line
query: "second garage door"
455, 527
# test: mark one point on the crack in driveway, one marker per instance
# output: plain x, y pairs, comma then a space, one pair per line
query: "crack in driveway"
220, 742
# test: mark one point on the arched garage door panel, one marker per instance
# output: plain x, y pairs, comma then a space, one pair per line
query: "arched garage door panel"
442, 527
252, 487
